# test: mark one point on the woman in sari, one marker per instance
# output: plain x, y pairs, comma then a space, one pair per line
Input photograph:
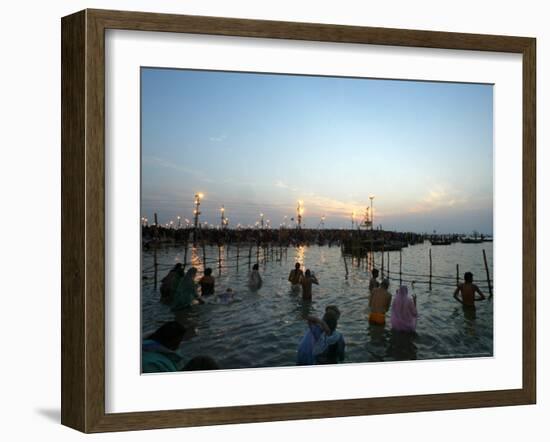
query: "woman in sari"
185, 293
403, 311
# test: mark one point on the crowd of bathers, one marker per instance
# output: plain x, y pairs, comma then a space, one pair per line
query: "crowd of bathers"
322, 343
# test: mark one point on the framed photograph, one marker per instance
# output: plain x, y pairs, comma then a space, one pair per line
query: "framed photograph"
270, 220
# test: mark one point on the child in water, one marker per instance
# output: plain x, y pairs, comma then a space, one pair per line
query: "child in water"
226, 297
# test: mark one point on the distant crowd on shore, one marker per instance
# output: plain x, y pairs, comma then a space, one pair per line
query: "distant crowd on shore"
321, 344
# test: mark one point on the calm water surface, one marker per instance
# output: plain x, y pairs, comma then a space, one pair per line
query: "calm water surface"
264, 328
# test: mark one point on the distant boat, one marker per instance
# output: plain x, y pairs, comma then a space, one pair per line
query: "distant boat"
440, 242
471, 240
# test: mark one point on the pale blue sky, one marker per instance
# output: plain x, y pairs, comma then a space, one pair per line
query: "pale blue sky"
258, 143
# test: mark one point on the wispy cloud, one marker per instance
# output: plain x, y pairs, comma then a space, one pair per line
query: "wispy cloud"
219, 138
161, 162
318, 205
439, 197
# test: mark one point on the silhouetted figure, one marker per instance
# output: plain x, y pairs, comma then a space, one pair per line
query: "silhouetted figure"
159, 351
379, 303
169, 283
373, 283
307, 285
254, 279
207, 283
468, 290
295, 277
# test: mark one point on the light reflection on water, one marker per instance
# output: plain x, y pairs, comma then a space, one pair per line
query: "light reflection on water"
264, 328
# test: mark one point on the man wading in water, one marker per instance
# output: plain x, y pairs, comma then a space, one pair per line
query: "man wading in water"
307, 285
379, 303
468, 291
295, 276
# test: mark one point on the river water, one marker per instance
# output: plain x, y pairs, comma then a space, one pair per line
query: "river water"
264, 328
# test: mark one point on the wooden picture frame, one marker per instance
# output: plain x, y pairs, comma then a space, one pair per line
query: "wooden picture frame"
83, 220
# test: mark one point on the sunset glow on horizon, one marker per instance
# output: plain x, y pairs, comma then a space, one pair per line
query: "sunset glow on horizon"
259, 143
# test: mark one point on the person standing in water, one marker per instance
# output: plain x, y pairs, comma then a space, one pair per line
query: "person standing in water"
207, 283
295, 276
468, 290
254, 279
184, 294
373, 283
322, 344
379, 303
168, 284
403, 311
307, 285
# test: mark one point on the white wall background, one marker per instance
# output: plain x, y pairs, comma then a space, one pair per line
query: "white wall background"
30, 215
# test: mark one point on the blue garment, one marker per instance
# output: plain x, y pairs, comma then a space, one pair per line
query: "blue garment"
305, 349
156, 358
329, 349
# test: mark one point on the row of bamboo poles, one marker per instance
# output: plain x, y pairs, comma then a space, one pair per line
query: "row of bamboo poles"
262, 253
253, 253
368, 261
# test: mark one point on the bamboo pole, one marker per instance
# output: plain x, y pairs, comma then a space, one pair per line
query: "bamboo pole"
388, 267
203, 255
457, 275
185, 253
219, 259
488, 276
156, 265
382, 261
249, 255
400, 266
345, 262
430, 269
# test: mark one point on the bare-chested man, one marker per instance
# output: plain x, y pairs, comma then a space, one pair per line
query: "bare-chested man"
373, 283
468, 291
295, 277
379, 303
307, 285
